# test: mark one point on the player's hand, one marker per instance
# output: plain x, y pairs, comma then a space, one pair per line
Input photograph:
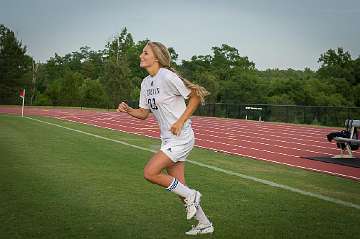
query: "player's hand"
123, 107
176, 128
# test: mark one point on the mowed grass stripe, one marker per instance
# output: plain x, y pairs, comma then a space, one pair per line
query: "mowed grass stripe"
56, 183
228, 172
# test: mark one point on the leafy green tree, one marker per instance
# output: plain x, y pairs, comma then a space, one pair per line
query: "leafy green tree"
55, 68
14, 64
53, 91
243, 87
227, 60
137, 74
92, 63
66, 90
229, 57
108, 76
356, 95
116, 81
93, 94
194, 65
42, 99
118, 48
70, 88
280, 99
356, 71
320, 93
336, 64
207, 80
292, 88
222, 74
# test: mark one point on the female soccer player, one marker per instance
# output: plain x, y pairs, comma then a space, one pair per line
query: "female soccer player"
163, 92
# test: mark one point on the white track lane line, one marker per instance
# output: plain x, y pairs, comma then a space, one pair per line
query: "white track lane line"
261, 143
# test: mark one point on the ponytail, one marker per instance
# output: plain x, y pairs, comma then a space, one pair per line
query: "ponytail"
197, 89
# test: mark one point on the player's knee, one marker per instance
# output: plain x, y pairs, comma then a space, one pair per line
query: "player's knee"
148, 175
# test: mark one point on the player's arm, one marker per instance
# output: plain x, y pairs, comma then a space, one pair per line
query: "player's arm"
194, 101
139, 113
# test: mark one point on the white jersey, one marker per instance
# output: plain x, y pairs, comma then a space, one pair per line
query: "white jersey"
164, 94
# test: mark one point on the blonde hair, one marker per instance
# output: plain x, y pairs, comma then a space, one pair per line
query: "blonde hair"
162, 54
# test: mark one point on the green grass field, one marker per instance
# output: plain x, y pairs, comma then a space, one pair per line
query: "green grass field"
58, 183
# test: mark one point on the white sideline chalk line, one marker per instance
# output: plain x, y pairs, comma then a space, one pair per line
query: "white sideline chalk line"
228, 172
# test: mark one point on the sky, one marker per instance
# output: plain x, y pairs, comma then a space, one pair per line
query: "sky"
271, 33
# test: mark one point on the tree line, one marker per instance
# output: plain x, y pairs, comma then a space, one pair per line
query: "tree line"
103, 78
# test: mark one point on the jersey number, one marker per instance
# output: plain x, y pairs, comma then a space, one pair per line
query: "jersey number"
152, 104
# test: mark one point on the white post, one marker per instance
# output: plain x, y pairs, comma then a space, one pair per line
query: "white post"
23, 102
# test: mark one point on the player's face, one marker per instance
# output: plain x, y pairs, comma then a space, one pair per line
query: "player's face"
147, 57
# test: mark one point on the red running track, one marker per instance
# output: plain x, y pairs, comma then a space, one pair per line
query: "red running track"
274, 142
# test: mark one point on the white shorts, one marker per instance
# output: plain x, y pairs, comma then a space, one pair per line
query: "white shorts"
178, 148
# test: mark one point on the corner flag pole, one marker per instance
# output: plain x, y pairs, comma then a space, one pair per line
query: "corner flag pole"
22, 95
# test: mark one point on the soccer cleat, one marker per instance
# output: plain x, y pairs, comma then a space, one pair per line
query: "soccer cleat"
192, 202
201, 229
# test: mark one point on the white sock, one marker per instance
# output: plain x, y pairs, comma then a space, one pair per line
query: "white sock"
179, 188
201, 217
